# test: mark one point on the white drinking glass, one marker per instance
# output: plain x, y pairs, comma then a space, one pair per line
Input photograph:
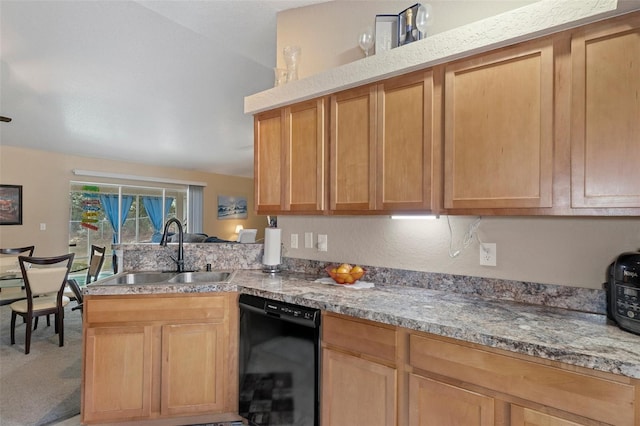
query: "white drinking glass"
424, 18
365, 40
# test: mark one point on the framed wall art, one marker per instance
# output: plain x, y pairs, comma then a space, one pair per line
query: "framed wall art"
10, 204
232, 207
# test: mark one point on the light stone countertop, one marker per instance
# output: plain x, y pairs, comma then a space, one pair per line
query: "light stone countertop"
576, 338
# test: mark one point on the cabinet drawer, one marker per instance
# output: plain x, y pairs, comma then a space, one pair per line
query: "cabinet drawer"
360, 336
592, 397
145, 308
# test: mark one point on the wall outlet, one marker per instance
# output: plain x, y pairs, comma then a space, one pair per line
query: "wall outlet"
43, 226
322, 242
294, 241
308, 240
488, 255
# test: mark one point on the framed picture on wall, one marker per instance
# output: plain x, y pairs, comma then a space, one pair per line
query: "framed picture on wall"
232, 207
10, 204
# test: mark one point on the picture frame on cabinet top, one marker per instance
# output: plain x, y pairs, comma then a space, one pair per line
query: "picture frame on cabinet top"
386, 33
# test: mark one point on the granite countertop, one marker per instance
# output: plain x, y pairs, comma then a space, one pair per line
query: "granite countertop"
576, 338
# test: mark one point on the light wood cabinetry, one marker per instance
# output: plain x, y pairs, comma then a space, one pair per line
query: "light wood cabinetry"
605, 124
359, 378
382, 375
385, 155
289, 159
533, 392
433, 403
152, 357
521, 416
499, 129
545, 127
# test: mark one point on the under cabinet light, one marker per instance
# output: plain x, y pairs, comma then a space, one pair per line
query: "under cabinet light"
407, 217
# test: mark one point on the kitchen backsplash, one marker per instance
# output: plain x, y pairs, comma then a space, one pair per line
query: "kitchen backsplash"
153, 257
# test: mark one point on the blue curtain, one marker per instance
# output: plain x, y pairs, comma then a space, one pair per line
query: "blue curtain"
110, 205
153, 206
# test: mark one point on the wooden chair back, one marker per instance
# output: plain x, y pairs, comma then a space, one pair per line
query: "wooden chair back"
95, 263
45, 275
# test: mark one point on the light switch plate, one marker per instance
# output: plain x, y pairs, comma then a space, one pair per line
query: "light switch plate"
322, 242
308, 240
294, 241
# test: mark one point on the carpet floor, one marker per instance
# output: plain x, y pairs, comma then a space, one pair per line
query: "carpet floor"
43, 387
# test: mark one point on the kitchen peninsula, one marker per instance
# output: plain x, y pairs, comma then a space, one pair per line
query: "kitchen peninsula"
535, 360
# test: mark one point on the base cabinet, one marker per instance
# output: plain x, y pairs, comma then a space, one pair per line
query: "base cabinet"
154, 358
359, 378
376, 374
357, 391
521, 416
433, 403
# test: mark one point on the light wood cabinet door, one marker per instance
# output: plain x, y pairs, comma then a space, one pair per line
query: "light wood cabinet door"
605, 126
268, 153
353, 153
499, 129
305, 157
521, 416
192, 368
289, 159
408, 142
385, 150
356, 391
118, 370
432, 403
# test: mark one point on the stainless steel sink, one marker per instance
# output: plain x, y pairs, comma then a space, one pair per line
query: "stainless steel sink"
138, 278
142, 278
201, 277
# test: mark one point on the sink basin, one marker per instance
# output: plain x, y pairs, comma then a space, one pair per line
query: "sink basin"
139, 278
201, 277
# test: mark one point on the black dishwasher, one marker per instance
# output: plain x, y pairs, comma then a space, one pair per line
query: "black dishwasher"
278, 363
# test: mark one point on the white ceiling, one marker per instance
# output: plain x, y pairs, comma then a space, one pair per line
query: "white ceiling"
153, 82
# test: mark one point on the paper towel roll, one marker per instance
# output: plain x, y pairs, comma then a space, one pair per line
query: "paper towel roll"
272, 241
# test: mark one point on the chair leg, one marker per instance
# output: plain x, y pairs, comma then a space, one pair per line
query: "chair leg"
13, 327
27, 337
35, 323
60, 326
48, 320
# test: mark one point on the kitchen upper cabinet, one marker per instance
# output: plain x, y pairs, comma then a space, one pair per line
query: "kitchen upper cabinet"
289, 160
384, 145
353, 153
605, 120
498, 134
153, 358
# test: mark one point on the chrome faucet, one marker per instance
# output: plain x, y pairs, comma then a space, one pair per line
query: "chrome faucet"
163, 242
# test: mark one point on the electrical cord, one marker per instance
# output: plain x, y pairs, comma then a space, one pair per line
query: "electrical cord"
467, 238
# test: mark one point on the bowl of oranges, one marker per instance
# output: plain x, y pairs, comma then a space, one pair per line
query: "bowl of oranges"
345, 273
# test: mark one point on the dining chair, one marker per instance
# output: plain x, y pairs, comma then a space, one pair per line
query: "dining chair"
44, 279
96, 260
12, 288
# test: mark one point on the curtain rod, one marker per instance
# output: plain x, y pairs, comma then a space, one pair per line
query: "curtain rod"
110, 175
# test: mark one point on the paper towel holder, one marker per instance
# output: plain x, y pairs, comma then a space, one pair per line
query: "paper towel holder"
271, 269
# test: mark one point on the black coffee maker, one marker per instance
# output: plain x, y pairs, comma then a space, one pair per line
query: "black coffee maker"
623, 291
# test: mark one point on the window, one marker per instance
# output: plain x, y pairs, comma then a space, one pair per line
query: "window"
104, 214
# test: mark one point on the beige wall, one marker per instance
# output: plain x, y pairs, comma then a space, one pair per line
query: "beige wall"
328, 32
565, 251
45, 178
